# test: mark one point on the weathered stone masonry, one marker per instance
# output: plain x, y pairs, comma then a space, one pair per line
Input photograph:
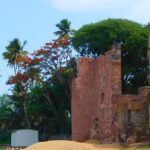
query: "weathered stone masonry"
96, 93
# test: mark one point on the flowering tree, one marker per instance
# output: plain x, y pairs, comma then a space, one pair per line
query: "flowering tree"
53, 56
40, 66
51, 62
12, 55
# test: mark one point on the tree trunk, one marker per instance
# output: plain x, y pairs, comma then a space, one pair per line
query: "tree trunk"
26, 115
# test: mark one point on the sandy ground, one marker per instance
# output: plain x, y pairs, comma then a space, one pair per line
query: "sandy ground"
71, 145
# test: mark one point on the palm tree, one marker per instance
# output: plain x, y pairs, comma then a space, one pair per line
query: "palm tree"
64, 28
14, 50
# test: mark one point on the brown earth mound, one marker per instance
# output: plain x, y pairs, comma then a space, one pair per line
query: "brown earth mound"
71, 145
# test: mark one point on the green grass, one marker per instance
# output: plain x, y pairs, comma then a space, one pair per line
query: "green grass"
138, 147
2, 149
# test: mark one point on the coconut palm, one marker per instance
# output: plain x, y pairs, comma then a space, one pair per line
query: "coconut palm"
64, 28
14, 51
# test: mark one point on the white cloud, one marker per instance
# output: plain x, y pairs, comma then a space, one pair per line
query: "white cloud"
132, 9
140, 11
84, 5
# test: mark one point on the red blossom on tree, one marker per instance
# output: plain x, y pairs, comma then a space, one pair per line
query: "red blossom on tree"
55, 45
19, 77
36, 61
39, 52
27, 60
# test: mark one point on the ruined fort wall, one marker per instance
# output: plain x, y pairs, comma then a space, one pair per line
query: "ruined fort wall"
96, 93
83, 102
98, 79
110, 85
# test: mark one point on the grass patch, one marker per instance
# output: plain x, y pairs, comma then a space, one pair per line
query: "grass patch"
2, 148
138, 147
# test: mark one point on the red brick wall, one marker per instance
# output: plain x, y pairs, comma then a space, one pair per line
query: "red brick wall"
98, 79
96, 93
83, 103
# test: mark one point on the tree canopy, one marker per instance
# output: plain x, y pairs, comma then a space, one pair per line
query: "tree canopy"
14, 51
94, 39
41, 84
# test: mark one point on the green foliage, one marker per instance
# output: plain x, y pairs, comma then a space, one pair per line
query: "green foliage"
42, 84
64, 28
94, 39
6, 118
14, 50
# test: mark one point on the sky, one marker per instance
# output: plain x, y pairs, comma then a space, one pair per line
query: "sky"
35, 20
